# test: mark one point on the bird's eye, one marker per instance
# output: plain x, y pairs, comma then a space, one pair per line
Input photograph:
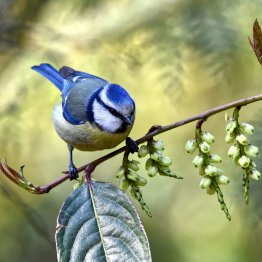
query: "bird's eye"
112, 111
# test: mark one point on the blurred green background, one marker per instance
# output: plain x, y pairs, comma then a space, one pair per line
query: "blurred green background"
176, 58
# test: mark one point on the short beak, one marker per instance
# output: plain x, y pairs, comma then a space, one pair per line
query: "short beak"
128, 120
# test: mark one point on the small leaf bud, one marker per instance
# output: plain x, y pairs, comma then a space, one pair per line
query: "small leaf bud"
231, 126
230, 137
205, 182
201, 171
191, 146
133, 165
198, 160
141, 181
251, 150
214, 158
149, 163
120, 173
246, 128
152, 171
158, 145
222, 180
155, 156
211, 170
242, 139
132, 176
255, 174
143, 151
123, 184
204, 147
233, 151
244, 161
165, 161
208, 137
210, 190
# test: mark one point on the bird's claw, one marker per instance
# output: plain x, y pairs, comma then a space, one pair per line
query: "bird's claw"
132, 145
73, 172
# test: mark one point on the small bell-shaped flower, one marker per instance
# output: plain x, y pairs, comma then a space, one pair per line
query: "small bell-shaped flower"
158, 145
191, 146
204, 147
233, 151
211, 170
205, 182
230, 137
222, 180
231, 126
214, 158
244, 161
255, 174
251, 150
246, 128
198, 160
209, 138
242, 139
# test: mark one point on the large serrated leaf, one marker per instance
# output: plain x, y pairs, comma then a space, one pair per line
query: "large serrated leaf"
99, 223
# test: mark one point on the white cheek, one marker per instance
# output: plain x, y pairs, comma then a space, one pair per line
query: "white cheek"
104, 119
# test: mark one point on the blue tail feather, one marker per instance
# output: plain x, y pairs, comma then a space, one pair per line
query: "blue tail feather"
51, 74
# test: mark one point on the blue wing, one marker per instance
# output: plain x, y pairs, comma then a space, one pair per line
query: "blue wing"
78, 89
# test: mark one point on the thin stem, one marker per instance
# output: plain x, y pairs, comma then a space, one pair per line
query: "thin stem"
153, 131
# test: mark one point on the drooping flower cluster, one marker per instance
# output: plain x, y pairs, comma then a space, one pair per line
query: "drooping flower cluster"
157, 163
242, 151
129, 178
212, 176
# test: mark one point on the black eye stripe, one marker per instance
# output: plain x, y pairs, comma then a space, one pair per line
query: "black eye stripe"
110, 109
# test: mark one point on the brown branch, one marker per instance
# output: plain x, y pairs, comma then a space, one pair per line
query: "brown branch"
154, 131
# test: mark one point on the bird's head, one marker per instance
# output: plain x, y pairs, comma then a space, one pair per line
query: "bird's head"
113, 109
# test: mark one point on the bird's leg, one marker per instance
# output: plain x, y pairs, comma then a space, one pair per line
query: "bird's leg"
132, 145
72, 169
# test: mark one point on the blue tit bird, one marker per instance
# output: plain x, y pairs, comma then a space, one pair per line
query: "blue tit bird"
94, 115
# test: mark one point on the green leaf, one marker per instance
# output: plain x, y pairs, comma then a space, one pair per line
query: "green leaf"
99, 223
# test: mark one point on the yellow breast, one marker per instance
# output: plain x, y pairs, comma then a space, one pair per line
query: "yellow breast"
86, 137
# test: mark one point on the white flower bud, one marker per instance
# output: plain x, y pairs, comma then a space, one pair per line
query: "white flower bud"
191, 146
123, 184
251, 151
152, 171
132, 176
205, 182
214, 158
231, 126
204, 147
158, 145
208, 137
233, 151
246, 128
244, 161
198, 161
143, 151
133, 165
222, 180
211, 170
255, 174
120, 173
141, 181
165, 161
230, 137
242, 139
